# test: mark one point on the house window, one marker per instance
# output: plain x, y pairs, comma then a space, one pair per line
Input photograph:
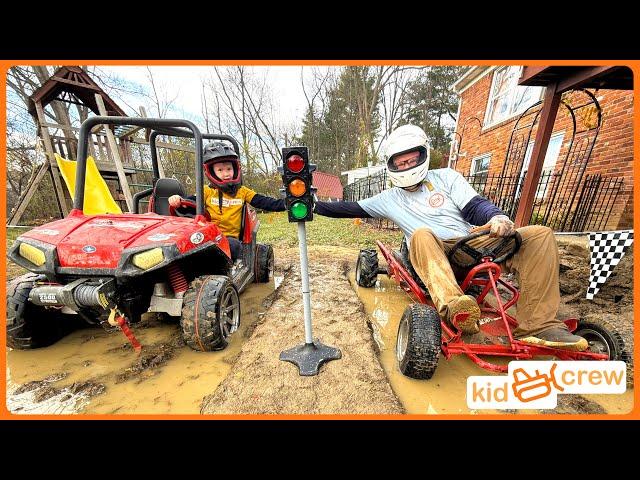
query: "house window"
507, 98
479, 171
550, 160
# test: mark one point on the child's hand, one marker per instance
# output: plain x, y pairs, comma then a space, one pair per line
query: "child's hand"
174, 200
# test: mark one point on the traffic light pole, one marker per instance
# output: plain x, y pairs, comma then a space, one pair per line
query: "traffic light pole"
304, 272
311, 355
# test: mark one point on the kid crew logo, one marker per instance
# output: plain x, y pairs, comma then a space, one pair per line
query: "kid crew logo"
436, 200
536, 384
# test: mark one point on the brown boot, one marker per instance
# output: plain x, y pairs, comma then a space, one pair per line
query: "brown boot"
464, 305
557, 337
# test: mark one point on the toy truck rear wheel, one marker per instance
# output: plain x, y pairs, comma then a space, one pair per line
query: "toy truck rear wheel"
210, 313
367, 268
418, 342
30, 326
264, 263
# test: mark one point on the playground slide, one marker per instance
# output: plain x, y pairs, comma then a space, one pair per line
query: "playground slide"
97, 197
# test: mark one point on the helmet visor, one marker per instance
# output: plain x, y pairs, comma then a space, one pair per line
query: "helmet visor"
407, 160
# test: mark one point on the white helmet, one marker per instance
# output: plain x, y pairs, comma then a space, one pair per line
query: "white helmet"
402, 140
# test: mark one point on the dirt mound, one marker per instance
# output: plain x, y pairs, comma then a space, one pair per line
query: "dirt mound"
260, 383
614, 301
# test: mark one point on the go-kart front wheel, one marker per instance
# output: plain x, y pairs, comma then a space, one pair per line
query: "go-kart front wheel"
418, 342
210, 313
367, 268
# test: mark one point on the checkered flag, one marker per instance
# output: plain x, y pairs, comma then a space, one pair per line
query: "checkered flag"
607, 249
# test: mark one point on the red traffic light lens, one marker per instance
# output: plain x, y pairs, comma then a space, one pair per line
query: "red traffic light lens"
295, 163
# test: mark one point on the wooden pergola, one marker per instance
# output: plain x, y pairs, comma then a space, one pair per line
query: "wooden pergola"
558, 80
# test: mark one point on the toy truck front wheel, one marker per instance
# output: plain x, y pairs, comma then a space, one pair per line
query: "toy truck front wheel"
31, 326
210, 313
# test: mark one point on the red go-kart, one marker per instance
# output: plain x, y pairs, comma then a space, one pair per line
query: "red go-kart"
422, 334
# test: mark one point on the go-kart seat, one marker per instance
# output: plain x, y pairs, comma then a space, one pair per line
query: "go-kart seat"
162, 190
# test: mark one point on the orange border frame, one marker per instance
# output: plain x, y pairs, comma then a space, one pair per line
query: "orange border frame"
634, 65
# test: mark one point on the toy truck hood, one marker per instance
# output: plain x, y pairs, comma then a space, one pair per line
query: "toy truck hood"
97, 241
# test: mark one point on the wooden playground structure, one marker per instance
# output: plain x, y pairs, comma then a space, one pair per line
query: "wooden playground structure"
113, 148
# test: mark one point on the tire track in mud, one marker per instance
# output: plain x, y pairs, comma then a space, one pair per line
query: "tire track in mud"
260, 383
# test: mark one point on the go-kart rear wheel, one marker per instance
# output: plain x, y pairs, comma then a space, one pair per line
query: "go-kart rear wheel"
603, 337
210, 313
30, 326
264, 263
418, 342
367, 268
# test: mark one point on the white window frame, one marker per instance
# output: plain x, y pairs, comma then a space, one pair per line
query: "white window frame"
511, 93
550, 160
473, 170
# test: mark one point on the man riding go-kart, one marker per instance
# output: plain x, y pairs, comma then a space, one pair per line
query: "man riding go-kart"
437, 210
116, 267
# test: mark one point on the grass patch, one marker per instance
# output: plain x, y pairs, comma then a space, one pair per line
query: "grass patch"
14, 270
344, 232
15, 232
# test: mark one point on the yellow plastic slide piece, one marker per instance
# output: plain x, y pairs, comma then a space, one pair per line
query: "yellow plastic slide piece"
97, 197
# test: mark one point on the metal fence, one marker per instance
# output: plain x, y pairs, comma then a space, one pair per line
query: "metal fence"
368, 187
556, 205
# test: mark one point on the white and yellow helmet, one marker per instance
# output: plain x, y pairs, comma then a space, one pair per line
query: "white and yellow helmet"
402, 140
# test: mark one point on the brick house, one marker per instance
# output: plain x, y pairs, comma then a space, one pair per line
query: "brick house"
588, 166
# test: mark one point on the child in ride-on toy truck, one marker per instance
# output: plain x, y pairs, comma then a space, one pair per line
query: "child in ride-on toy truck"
226, 195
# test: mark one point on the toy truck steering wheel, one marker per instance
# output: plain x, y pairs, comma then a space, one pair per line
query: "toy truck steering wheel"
498, 253
186, 209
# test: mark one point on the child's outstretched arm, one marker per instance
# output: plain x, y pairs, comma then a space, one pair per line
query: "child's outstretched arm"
267, 203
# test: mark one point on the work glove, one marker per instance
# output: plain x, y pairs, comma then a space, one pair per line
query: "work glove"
500, 226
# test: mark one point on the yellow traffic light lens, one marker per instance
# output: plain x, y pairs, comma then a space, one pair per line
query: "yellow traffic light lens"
295, 163
297, 188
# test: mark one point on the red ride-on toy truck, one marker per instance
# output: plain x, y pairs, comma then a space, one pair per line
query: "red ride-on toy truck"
115, 267
422, 335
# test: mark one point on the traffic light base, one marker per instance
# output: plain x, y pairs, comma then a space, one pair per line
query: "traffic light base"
309, 356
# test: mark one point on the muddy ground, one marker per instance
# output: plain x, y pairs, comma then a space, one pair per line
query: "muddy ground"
96, 371
260, 383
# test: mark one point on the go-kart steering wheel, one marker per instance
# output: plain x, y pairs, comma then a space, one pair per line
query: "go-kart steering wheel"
498, 253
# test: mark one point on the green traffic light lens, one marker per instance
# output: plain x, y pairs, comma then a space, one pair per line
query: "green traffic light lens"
299, 210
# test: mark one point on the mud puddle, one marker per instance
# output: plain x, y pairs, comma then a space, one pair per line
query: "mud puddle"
95, 371
445, 393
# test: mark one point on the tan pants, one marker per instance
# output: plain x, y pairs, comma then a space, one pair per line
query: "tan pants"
535, 265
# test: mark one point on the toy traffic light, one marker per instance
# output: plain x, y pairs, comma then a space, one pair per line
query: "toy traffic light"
297, 179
